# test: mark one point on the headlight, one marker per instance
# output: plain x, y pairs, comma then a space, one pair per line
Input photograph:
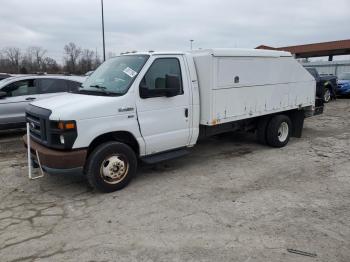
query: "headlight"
62, 134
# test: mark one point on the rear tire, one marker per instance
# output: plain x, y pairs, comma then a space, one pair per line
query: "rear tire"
278, 131
111, 166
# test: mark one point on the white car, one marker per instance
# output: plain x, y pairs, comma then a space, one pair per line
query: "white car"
17, 92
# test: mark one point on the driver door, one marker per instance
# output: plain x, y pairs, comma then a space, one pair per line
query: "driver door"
164, 121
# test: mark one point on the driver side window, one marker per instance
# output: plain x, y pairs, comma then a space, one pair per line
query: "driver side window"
21, 88
155, 78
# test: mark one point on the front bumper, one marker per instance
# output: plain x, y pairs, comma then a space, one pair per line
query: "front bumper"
56, 161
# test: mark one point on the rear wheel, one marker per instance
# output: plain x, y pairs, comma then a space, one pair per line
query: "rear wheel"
327, 95
278, 131
111, 166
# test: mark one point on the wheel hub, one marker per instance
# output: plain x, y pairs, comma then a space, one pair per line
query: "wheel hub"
114, 169
283, 131
327, 95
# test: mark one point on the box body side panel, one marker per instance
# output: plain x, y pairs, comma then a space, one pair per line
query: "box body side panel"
243, 87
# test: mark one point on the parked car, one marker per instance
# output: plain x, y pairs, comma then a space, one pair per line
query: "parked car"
4, 76
326, 85
344, 84
18, 91
155, 106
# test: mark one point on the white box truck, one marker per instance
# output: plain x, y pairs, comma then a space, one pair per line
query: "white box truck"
154, 106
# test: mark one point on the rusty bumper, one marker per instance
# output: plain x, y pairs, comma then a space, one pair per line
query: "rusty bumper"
51, 159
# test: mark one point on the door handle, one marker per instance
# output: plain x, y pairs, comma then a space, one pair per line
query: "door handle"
186, 112
30, 98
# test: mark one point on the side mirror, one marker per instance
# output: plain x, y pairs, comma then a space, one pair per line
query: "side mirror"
3, 94
144, 91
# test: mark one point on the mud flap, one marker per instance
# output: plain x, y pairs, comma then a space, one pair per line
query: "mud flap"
297, 118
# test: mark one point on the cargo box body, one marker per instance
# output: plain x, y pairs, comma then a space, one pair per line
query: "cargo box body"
237, 84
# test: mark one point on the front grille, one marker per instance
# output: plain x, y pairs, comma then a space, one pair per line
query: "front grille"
37, 127
46, 132
38, 119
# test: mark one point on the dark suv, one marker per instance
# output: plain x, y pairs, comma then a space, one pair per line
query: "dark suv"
326, 85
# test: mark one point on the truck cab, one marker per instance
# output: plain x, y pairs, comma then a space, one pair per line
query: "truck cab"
145, 101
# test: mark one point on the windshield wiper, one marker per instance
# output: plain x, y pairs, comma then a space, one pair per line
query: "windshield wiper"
101, 89
98, 86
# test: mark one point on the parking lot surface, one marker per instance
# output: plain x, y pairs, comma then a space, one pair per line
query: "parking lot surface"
231, 199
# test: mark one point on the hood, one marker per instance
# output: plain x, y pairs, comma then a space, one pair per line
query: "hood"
81, 106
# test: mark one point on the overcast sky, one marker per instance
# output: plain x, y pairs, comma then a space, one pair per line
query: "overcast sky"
168, 25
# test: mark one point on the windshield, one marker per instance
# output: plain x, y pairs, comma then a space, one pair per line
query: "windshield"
344, 76
116, 75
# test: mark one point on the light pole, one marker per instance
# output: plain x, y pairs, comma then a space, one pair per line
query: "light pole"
191, 41
103, 33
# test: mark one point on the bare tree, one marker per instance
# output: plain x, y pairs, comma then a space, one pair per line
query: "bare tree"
86, 62
3, 63
14, 55
34, 58
50, 65
97, 61
72, 53
38, 54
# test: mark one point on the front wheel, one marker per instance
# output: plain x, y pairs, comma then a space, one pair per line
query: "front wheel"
278, 131
327, 95
111, 166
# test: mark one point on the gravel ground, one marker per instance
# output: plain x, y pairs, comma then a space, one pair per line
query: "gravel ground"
230, 200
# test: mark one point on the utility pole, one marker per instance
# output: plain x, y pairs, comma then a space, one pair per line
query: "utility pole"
103, 33
191, 41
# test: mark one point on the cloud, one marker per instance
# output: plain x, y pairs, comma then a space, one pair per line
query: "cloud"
165, 25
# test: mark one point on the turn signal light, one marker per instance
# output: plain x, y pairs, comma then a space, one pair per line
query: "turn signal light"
66, 125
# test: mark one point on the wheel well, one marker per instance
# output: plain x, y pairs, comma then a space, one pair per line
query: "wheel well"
296, 117
120, 136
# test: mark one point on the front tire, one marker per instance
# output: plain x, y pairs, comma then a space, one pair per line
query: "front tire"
111, 166
278, 131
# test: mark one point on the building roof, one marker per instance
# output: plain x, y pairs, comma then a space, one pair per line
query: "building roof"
341, 47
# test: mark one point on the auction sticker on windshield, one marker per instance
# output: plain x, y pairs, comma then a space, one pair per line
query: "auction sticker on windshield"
130, 72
